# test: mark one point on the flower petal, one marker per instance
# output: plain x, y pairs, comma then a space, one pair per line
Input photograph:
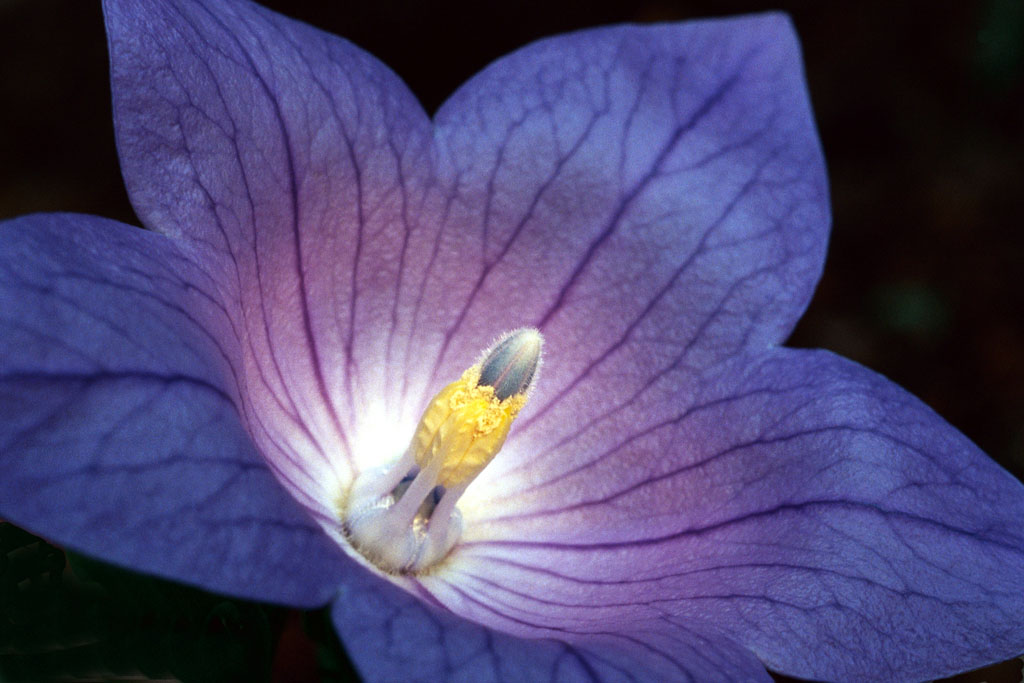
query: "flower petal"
394, 636
649, 197
814, 510
304, 160
120, 436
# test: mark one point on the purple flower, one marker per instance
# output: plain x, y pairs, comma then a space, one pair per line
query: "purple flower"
231, 403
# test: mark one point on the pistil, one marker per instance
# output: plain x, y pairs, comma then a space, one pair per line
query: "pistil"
403, 517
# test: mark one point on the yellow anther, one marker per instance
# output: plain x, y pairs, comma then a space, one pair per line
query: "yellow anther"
465, 426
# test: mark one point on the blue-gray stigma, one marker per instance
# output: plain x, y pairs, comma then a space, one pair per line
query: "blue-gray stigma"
511, 364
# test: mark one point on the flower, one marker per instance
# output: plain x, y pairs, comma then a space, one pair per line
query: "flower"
680, 497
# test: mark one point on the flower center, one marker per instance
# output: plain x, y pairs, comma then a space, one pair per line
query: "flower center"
402, 517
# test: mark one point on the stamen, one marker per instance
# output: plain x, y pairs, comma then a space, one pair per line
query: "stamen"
404, 517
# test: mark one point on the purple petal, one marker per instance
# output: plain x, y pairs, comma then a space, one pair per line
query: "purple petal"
649, 197
815, 511
120, 435
394, 636
303, 160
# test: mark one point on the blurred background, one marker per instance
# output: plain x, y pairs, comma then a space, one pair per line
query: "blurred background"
920, 107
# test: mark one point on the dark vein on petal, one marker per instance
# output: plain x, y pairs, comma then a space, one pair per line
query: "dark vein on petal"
243, 176
114, 375
663, 291
633, 193
403, 250
487, 604
435, 252
295, 229
490, 264
696, 531
174, 307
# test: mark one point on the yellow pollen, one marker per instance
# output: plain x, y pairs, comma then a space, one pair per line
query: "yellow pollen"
463, 428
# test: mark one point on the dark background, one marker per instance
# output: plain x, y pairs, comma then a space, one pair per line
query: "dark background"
920, 107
